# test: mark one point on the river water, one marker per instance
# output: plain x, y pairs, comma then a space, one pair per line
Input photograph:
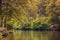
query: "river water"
34, 35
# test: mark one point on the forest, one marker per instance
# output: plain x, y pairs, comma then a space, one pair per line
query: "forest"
29, 14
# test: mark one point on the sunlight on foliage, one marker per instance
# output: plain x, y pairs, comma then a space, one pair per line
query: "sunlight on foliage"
21, 12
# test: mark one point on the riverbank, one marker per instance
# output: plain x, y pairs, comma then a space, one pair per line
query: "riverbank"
38, 29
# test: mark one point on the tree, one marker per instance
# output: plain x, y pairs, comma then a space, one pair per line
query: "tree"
20, 12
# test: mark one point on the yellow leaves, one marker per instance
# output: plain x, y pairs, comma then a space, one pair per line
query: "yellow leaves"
10, 21
0, 36
57, 3
32, 4
26, 8
36, 20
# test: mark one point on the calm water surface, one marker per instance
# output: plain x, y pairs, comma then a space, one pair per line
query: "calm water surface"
33, 35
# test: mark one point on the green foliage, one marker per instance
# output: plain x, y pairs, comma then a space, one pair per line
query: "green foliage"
32, 13
9, 27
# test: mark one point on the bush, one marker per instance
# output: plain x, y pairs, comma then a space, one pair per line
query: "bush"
9, 27
44, 27
26, 27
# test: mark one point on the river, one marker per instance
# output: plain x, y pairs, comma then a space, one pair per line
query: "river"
34, 35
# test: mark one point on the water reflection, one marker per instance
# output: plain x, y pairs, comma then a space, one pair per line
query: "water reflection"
55, 35
34, 35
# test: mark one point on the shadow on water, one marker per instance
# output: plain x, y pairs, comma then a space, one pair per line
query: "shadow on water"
34, 35
55, 35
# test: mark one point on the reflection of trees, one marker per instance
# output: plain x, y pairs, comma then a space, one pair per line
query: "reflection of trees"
54, 35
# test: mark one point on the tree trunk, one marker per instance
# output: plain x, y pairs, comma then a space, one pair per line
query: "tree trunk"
4, 21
